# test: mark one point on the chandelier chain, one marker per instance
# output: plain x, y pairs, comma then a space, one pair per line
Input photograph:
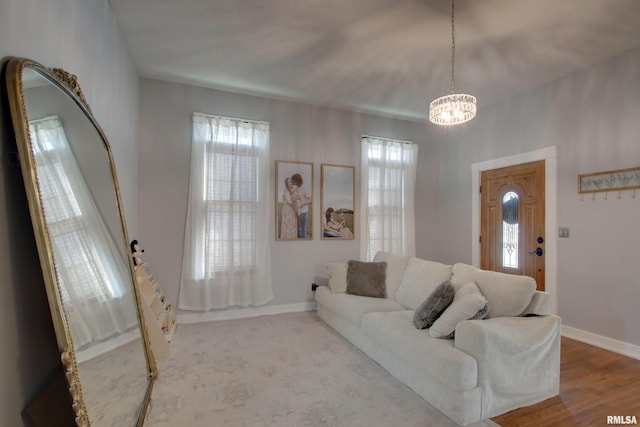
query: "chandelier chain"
453, 46
454, 108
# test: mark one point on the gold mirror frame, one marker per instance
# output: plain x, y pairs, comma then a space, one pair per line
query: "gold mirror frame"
67, 84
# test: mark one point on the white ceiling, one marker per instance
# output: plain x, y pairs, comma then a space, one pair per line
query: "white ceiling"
388, 57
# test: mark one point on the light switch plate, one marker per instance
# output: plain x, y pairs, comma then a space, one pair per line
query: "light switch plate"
563, 232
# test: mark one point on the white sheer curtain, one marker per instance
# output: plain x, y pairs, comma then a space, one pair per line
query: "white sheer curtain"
226, 260
387, 213
94, 280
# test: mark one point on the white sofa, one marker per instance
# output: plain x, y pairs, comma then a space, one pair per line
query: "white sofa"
508, 360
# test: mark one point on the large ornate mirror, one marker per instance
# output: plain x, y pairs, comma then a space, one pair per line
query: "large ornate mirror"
81, 235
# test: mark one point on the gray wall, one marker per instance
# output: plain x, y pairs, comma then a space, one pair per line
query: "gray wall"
592, 119
82, 37
299, 132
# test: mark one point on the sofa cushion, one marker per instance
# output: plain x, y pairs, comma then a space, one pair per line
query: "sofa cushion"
468, 303
367, 279
507, 294
426, 356
433, 306
351, 308
540, 305
396, 264
337, 277
419, 280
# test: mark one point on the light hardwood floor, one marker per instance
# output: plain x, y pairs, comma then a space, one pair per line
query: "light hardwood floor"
594, 383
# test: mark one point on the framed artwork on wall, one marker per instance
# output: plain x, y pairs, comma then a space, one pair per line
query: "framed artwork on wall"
294, 200
337, 202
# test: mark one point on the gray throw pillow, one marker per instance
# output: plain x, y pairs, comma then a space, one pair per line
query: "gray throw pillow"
367, 279
429, 311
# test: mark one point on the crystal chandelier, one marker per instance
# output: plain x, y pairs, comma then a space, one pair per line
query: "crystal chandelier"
455, 108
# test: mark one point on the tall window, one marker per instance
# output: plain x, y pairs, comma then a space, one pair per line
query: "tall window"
388, 176
91, 273
226, 254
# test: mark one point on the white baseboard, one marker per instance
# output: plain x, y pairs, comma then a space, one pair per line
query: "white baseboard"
621, 347
241, 313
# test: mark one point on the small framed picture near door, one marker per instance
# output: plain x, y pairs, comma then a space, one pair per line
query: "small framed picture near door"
337, 202
294, 200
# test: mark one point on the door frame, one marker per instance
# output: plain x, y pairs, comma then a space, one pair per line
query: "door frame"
549, 155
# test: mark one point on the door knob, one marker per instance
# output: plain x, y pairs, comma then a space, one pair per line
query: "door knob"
538, 252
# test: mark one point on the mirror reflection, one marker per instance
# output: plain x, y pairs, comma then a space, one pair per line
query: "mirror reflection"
78, 196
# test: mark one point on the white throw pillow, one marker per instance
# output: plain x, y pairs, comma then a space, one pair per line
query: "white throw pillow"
468, 303
396, 264
337, 277
420, 279
508, 294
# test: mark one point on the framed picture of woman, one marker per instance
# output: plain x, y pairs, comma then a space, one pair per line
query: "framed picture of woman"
337, 202
294, 200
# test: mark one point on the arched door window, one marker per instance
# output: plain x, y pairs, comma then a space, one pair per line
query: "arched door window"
510, 230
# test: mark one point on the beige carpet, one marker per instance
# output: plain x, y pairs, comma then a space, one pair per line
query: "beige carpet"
281, 370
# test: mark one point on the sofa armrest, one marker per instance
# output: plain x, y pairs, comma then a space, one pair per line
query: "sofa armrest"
505, 335
516, 357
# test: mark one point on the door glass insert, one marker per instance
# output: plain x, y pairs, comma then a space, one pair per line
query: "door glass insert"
510, 230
